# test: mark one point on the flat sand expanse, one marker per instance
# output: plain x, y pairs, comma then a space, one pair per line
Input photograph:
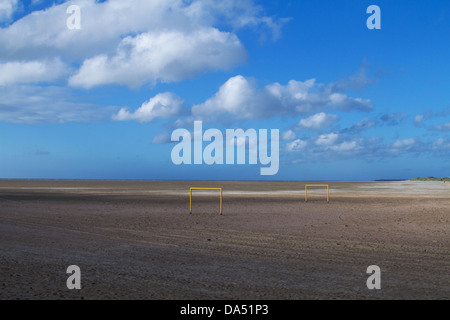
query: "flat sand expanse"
137, 240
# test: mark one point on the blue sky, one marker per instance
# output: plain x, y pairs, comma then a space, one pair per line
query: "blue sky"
101, 102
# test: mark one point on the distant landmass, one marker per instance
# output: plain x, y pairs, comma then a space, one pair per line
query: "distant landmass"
431, 179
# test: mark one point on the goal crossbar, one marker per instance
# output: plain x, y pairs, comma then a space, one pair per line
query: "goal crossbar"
318, 186
207, 189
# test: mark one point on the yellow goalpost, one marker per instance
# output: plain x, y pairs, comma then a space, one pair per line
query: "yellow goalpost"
216, 189
317, 185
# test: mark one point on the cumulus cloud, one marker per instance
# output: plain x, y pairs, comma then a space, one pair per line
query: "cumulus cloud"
441, 146
443, 127
164, 105
346, 146
240, 98
421, 120
296, 146
31, 72
172, 39
165, 56
355, 81
403, 145
319, 121
7, 8
128, 43
289, 135
103, 26
330, 146
418, 120
393, 119
162, 138
364, 124
240, 14
327, 139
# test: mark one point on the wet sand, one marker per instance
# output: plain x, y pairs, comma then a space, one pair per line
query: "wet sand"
136, 240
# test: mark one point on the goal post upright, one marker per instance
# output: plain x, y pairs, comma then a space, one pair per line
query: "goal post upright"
317, 185
214, 189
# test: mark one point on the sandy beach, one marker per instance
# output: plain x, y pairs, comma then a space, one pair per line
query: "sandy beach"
137, 240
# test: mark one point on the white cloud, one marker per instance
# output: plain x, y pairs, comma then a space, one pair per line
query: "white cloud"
183, 36
7, 8
162, 138
240, 98
403, 146
289, 135
418, 119
346, 146
406, 143
319, 121
444, 127
355, 81
296, 146
164, 105
441, 147
442, 144
31, 72
393, 119
31, 104
364, 124
45, 33
240, 14
327, 139
165, 56
439, 142
333, 147
165, 40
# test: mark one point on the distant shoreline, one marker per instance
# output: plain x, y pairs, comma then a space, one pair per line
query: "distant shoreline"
205, 180
431, 179
200, 180
391, 180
